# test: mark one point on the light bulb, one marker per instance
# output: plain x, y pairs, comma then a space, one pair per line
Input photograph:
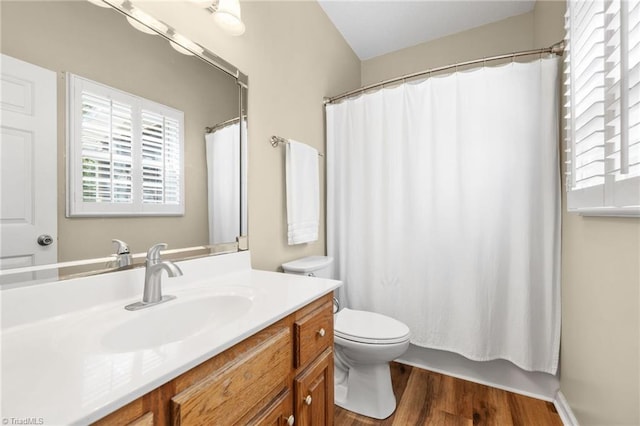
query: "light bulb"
189, 46
142, 22
229, 17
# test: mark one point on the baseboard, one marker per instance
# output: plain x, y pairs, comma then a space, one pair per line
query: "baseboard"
564, 410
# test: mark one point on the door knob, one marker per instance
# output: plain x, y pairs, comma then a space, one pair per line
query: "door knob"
45, 240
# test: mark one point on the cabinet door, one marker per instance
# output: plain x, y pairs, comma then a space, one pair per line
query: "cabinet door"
314, 392
227, 395
278, 413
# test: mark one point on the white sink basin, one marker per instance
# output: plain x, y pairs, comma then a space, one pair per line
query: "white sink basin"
174, 321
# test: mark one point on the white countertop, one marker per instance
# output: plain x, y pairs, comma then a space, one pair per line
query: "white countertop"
55, 365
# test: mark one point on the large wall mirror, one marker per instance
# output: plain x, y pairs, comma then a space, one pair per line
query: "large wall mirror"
48, 44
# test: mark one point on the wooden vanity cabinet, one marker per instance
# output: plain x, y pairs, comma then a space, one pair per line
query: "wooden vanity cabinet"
280, 376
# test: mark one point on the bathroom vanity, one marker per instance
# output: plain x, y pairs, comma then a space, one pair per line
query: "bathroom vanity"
73, 355
281, 375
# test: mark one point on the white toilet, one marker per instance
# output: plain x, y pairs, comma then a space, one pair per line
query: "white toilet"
365, 343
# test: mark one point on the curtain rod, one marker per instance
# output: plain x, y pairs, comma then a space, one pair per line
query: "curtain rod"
556, 49
223, 124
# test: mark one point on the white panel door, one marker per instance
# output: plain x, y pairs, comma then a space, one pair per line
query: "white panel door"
28, 158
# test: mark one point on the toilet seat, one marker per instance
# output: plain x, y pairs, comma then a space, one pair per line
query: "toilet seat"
369, 327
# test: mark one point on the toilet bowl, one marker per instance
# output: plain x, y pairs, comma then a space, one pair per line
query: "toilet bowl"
365, 343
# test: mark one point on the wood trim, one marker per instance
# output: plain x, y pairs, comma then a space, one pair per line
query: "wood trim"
127, 414
145, 420
316, 304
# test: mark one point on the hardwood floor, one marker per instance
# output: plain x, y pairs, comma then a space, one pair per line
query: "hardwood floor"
427, 398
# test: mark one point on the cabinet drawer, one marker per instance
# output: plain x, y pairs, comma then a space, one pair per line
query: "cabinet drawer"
313, 334
228, 394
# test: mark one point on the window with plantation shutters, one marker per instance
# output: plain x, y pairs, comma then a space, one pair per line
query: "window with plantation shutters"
602, 92
125, 153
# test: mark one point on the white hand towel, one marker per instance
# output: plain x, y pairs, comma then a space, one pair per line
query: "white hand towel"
303, 193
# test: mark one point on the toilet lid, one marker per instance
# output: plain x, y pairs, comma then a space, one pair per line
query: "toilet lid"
369, 327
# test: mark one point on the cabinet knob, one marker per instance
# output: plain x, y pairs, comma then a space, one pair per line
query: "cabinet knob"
291, 420
308, 400
321, 332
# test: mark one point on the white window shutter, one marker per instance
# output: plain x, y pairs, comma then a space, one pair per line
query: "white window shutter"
125, 153
584, 68
602, 108
106, 139
624, 112
162, 150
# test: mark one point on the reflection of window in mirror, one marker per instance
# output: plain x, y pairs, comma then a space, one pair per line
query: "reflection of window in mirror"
125, 153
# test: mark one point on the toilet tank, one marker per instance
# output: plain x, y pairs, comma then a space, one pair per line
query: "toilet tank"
313, 266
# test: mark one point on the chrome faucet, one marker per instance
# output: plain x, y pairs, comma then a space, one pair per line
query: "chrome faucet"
122, 256
152, 294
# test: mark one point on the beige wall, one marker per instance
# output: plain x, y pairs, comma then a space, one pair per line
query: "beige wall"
98, 44
294, 57
600, 358
509, 35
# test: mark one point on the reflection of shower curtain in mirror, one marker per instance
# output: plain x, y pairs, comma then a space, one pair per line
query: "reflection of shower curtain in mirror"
443, 210
223, 183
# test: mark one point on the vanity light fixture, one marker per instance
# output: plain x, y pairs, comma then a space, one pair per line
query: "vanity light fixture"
141, 22
227, 15
179, 40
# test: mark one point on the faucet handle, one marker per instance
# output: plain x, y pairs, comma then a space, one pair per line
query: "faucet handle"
121, 247
153, 254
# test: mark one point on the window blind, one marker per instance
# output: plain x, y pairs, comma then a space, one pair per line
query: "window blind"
106, 139
125, 153
160, 159
602, 107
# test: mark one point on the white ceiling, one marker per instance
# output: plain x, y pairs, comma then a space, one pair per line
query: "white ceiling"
373, 28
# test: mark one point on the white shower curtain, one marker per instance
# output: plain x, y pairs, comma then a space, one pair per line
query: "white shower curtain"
223, 183
443, 210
